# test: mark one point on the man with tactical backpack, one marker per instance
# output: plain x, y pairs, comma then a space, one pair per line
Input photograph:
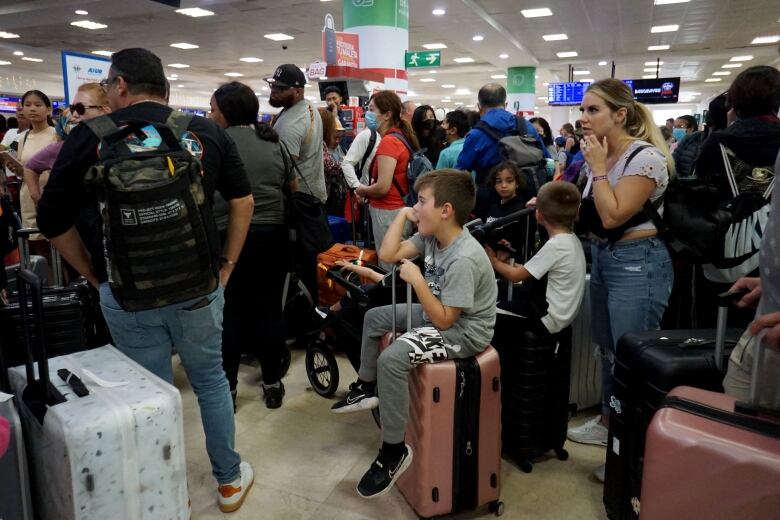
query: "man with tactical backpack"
153, 172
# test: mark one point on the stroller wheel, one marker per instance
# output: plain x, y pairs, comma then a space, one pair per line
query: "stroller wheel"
322, 369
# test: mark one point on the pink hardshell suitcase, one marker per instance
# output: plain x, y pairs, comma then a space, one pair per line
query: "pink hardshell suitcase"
708, 456
454, 404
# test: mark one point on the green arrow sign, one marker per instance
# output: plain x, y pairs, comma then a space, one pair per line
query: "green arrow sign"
423, 59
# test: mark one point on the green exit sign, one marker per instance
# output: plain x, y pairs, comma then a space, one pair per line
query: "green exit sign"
423, 59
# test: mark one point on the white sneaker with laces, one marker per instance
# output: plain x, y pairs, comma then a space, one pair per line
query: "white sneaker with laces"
591, 432
231, 496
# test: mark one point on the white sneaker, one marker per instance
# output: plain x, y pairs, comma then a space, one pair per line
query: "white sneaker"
592, 432
600, 472
232, 494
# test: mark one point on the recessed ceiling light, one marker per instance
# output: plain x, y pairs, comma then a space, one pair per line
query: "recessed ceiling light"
184, 45
602, 63
432, 72
712, 80
649, 69
587, 80
503, 56
195, 12
543, 98
278, 37
731, 66
86, 24
36, 60
761, 40
722, 73
233, 74
477, 37
179, 65
462, 92
250, 59
459, 103
439, 12
664, 2
664, 28
648, 76
554, 37
8, 35
463, 60
448, 86
653, 63
536, 108
103, 53
171, 78
3, 62
18, 53
658, 48
741, 58
581, 72
446, 101
432, 46
180, 86
567, 54
536, 13
427, 80
498, 76
545, 84
82, 12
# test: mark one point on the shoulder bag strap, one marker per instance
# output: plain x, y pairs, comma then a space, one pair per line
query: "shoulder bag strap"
371, 144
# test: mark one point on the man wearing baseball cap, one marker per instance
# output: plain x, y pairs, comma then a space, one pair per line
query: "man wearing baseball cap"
300, 129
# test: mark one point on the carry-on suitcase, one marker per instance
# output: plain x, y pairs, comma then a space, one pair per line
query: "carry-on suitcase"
585, 386
105, 435
15, 502
648, 365
328, 291
708, 456
454, 431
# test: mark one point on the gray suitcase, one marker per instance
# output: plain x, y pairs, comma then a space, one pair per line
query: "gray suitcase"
15, 500
585, 386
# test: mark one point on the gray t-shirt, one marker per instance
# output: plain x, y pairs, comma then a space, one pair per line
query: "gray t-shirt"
460, 275
769, 263
300, 129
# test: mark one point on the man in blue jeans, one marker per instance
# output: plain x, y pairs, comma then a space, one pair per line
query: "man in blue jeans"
137, 90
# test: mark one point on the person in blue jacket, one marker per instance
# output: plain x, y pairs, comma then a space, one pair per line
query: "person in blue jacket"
480, 151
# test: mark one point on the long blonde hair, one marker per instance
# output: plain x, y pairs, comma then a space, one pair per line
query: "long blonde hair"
97, 93
639, 121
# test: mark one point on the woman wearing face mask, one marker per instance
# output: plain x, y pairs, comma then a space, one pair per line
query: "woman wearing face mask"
387, 183
429, 133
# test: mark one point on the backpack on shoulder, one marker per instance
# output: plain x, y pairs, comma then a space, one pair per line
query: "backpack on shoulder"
161, 240
418, 166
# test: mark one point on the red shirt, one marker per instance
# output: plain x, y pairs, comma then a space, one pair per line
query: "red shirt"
393, 147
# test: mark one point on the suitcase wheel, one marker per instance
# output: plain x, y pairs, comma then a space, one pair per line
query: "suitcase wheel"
497, 508
322, 369
561, 453
526, 467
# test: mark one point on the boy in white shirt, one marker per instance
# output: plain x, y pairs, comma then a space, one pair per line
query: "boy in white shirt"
561, 259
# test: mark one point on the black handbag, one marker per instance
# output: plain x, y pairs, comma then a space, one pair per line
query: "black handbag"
306, 214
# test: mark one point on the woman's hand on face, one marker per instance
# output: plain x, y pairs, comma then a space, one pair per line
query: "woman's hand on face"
595, 153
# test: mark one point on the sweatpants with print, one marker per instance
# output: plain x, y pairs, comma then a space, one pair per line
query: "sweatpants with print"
390, 369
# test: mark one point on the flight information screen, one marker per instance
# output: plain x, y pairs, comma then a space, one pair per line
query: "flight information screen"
562, 94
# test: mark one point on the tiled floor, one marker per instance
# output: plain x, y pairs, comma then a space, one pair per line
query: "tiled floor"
307, 462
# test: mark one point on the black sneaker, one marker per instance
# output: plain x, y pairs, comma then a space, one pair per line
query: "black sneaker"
382, 474
322, 312
361, 396
272, 395
233, 395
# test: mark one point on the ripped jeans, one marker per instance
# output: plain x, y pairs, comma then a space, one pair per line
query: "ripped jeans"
630, 285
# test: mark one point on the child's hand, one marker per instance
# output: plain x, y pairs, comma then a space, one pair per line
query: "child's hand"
411, 215
491, 254
409, 272
345, 265
531, 203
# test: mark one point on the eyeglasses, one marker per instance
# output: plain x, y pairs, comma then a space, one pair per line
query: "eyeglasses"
105, 83
81, 108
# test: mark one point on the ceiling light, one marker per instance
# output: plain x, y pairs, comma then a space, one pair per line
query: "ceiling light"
250, 59
184, 45
602, 63
82, 12
581, 72
760, 40
664, 2
658, 48
448, 86
653, 63
649, 69
536, 108
690, 94
18, 53
446, 101
439, 12
432, 46
459, 103
36, 60
174, 75
664, 28
86, 24
171, 78
536, 13
477, 37
567, 54
462, 92
545, 84
587, 80
731, 66
179, 65
554, 37
8, 35
741, 58
712, 80
648, 76
427, 80
543, 98
718, 73
278, 37
463, 60
3, 62
180, 86
503, 56
432, 72
498, 76
103, 53
195, 12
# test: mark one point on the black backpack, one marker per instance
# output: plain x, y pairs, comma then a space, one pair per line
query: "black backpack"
161, 240
418, 165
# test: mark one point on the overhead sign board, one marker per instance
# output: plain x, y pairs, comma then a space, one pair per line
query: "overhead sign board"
423, 59
78, 68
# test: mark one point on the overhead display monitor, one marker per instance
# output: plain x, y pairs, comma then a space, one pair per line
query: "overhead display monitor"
8, 104
564, 94
653, 91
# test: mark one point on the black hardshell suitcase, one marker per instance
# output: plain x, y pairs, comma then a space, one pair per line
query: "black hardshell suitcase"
648, 365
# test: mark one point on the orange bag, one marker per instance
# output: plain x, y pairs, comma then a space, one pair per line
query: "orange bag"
330, 292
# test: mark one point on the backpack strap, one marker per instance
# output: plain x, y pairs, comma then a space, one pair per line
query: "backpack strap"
401, 138
178, 122
371, 144
103, 127
489, 130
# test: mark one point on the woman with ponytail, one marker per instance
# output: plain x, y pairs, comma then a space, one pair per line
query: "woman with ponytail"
253, 318
388, 183
628, 164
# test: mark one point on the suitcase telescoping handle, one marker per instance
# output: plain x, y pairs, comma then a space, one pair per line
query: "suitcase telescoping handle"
394, 302
724, 300
23, 237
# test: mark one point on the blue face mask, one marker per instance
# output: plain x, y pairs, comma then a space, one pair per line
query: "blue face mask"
371, 120
678, 133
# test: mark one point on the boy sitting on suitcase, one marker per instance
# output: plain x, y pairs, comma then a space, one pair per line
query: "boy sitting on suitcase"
561, 259
454, 319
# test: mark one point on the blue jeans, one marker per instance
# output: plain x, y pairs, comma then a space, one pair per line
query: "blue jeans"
148, 337
630, 285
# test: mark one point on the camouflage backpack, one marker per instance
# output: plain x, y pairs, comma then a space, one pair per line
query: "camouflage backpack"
161, 241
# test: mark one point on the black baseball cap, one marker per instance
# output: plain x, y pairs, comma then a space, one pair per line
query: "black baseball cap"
288, 75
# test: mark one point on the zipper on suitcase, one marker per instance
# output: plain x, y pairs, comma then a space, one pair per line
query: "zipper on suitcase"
465, 461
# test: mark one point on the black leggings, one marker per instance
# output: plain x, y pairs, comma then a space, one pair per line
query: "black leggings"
253, 318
